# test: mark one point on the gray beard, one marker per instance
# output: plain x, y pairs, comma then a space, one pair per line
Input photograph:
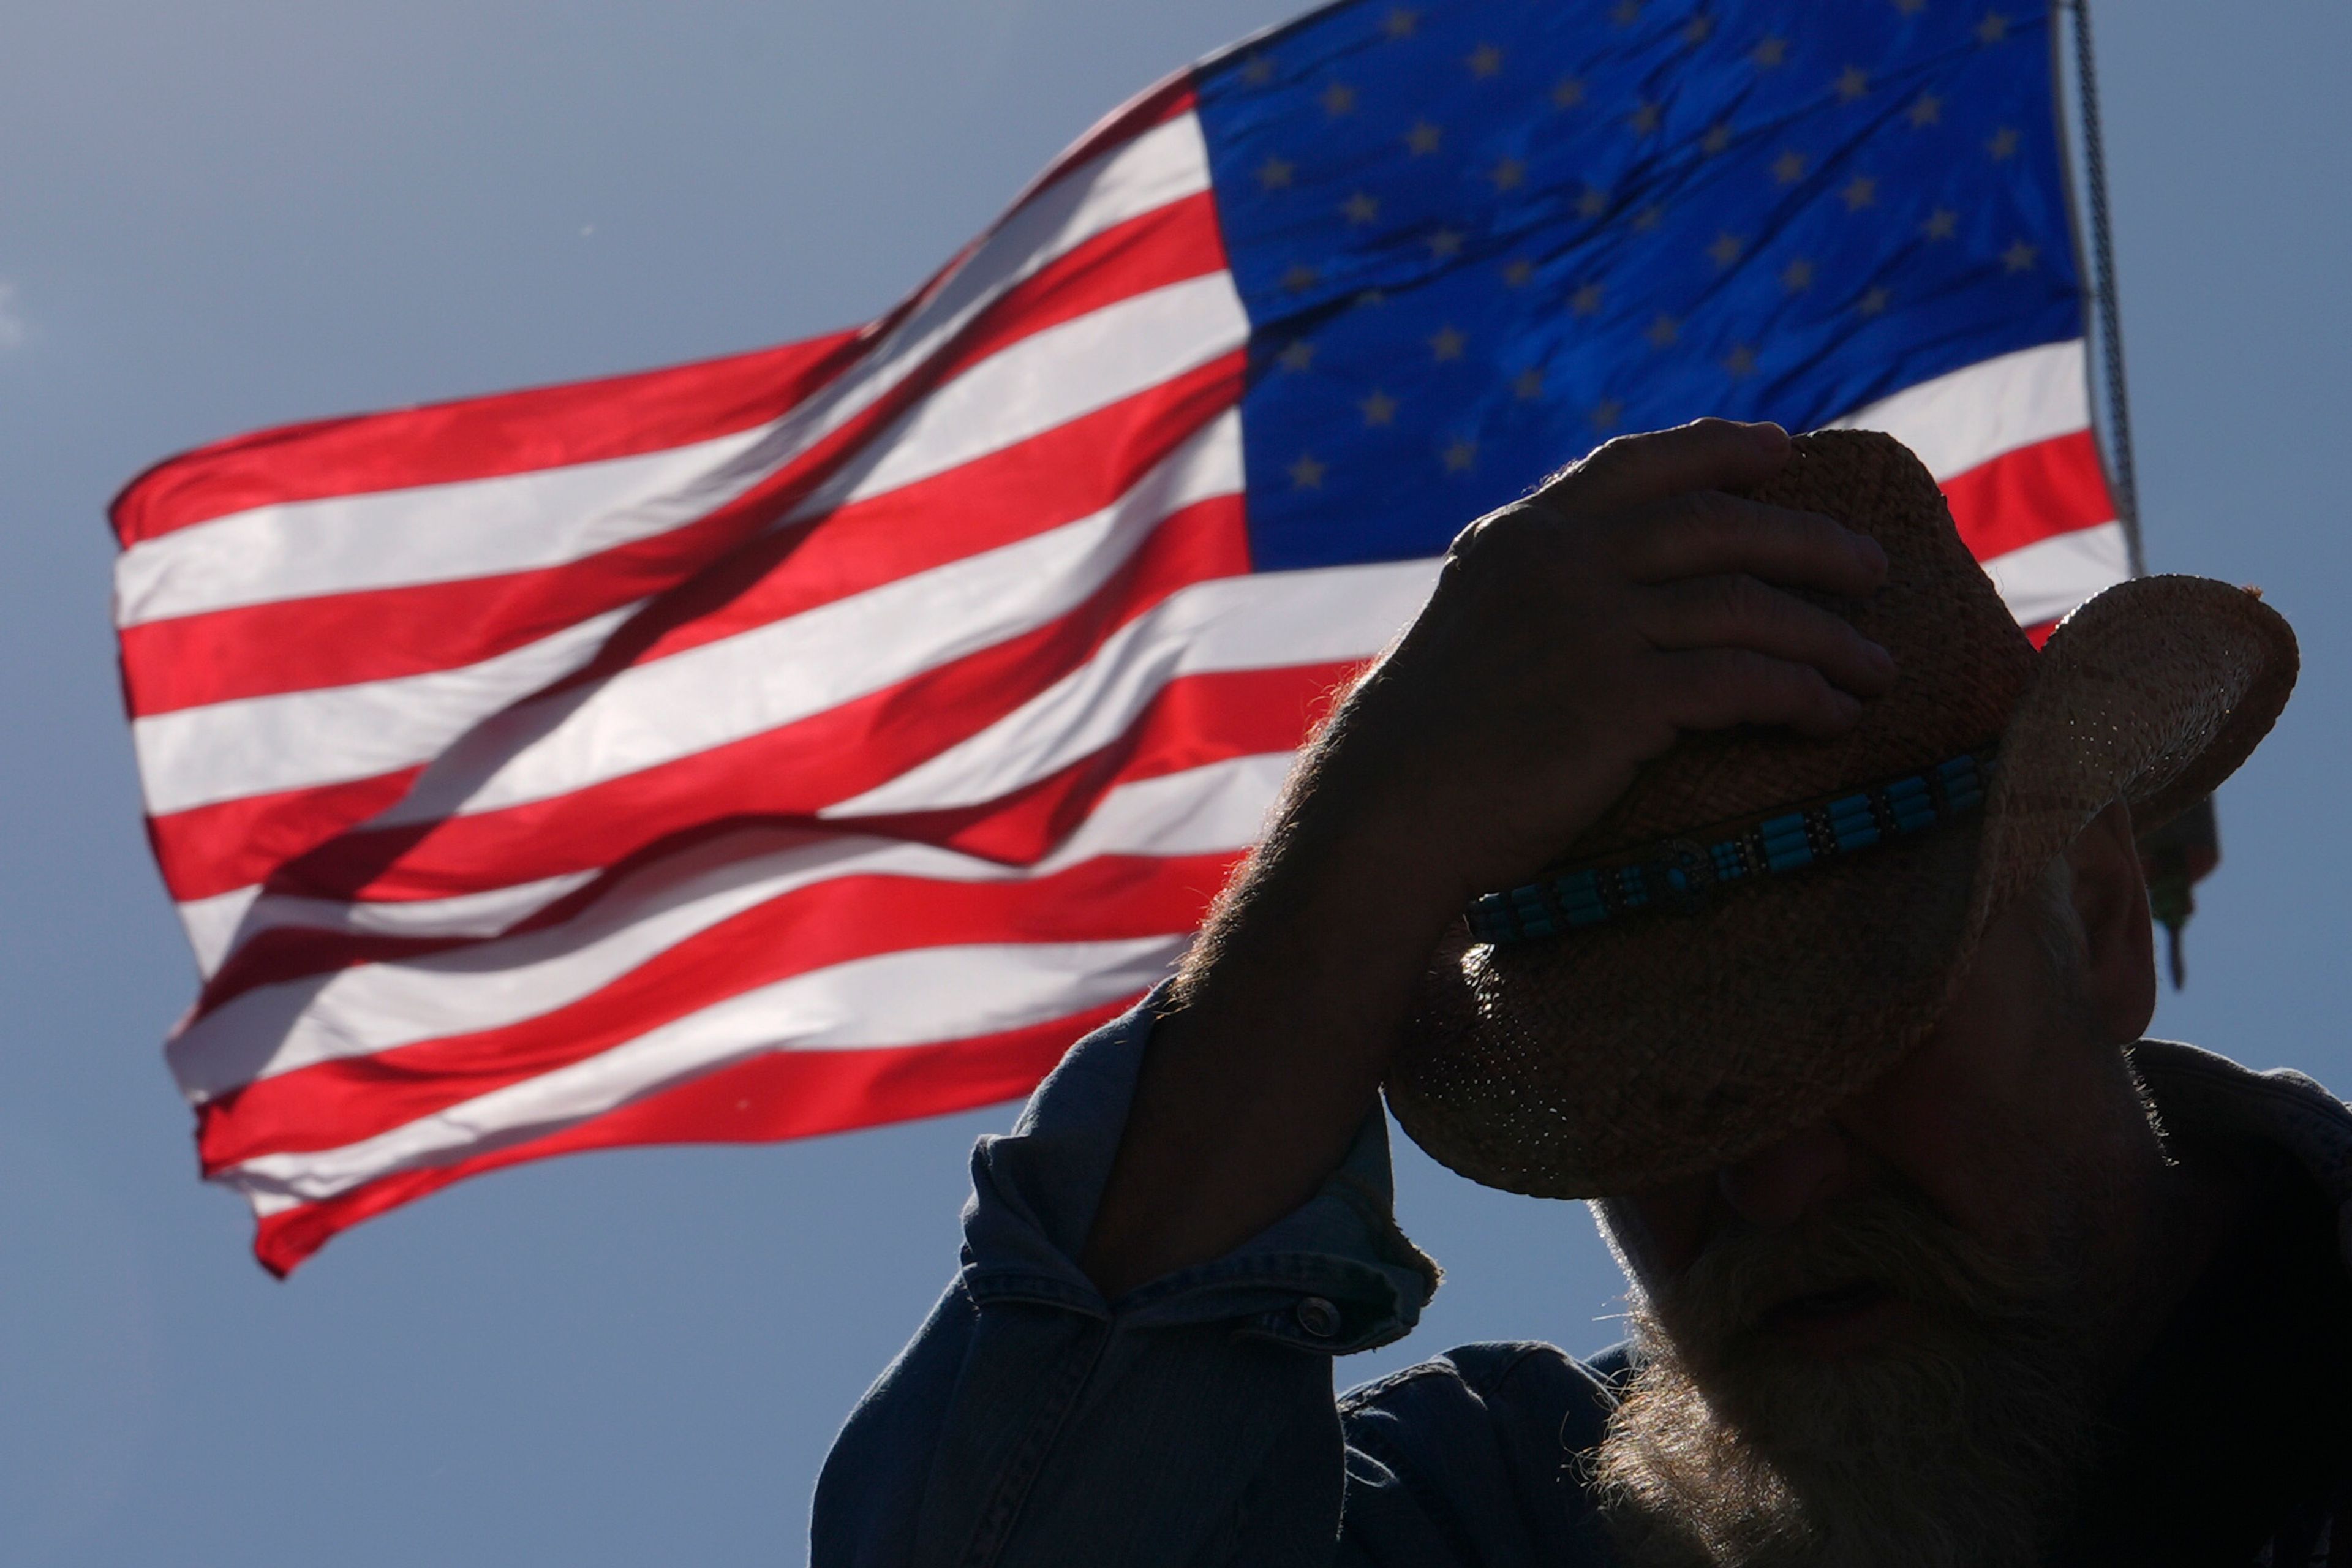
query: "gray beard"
1959, 1444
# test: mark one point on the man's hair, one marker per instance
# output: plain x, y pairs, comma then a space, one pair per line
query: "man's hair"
2058, 933
2057, 925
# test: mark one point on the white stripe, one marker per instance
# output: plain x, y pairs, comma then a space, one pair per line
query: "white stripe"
230, 921
773, 675
516, 522
1266, 620
2046, 579
430, 533
296, 740
369, 1007
917, 997
1047, 379
212, 925
1973, 415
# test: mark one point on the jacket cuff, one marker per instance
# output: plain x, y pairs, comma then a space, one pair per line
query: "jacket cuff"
1335, 1275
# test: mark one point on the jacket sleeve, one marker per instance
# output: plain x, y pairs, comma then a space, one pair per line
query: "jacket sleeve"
1190, 1422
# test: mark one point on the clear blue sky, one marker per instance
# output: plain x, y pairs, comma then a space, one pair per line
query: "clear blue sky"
234, 213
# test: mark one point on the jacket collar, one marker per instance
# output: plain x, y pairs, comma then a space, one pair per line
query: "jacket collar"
2203, 1095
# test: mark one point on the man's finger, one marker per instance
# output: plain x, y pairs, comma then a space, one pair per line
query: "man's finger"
1705, 532
1716, 688
1705, 455
1734, 610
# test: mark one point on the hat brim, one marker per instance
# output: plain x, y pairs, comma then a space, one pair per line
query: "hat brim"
1695, 1039
2153, 692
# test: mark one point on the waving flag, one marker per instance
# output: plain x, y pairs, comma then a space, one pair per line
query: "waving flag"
830, 735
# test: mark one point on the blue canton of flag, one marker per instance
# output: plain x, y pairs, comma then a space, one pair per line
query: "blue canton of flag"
1475, 240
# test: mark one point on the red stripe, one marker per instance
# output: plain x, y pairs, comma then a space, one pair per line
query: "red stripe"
795, 769
334, 1103
2029, 494
1196, 720
301, 643
213, 850
785, 1094
1170, 244
477, 438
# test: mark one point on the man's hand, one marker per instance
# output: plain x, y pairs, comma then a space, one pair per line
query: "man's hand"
1571, 638
1574, 635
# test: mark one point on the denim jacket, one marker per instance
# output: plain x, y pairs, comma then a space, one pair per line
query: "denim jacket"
1193, 1422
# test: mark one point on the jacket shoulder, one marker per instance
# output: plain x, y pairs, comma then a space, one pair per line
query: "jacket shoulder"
1473, 1452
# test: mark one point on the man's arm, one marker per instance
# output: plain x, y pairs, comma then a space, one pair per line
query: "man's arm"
1032, 1421
1571, 637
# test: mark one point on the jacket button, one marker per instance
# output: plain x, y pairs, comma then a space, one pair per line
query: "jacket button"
1319, 1317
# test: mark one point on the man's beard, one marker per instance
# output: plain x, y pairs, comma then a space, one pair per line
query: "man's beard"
1954, 1441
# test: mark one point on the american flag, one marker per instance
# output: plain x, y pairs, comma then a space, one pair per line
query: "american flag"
830, 735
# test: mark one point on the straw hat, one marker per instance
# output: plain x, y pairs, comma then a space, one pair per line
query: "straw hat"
1655, 1043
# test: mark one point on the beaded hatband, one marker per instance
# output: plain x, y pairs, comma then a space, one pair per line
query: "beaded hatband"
1678, 875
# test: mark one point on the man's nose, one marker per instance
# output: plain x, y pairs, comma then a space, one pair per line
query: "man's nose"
1777, 1183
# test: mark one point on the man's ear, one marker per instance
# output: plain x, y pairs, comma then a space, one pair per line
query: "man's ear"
2111, 902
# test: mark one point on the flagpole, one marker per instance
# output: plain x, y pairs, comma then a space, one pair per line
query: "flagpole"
2179, 854
2102, 283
